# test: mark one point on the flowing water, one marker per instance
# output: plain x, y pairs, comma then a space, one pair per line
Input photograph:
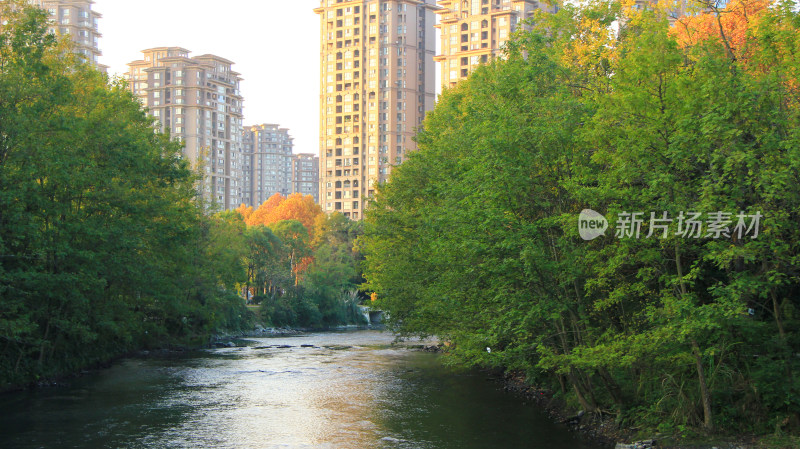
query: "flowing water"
340, 390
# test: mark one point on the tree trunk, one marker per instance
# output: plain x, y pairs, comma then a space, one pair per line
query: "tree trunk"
563, 384
19, 360
613, 388
708, 417
728, 49
587, 406
53, 347
44, 343
589, 387
704, 392
776, 309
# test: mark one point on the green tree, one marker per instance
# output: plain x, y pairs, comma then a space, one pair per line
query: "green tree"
473, 238
296, 238
334, 274
227, 243
263, 257
103, 247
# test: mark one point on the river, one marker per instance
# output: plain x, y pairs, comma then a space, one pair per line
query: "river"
341, 391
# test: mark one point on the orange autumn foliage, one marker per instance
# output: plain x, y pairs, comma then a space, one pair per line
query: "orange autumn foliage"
730, 25
245, 212
261, 216
278, 208
300, 208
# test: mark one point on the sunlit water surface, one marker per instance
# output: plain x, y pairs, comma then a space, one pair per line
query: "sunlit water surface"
343, 390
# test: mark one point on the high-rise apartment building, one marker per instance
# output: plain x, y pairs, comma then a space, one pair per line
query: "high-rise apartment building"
197, 100
76, 19
474, 31
267, 163
377, 83
305, 175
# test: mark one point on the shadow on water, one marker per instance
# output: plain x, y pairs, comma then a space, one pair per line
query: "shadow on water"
434, 407
334, 390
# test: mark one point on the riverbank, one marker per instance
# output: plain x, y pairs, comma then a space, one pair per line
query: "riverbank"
604, 430
259, 331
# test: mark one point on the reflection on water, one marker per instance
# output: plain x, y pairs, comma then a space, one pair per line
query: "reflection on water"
342, 390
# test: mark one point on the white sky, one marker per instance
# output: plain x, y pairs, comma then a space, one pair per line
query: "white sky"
273, 43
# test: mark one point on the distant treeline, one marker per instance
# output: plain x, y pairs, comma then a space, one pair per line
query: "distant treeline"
475, 238
300, 264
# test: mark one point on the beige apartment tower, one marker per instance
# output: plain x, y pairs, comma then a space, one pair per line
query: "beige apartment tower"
76, 19
377, 83
305, 175
197, 100
474, 31
267, 163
